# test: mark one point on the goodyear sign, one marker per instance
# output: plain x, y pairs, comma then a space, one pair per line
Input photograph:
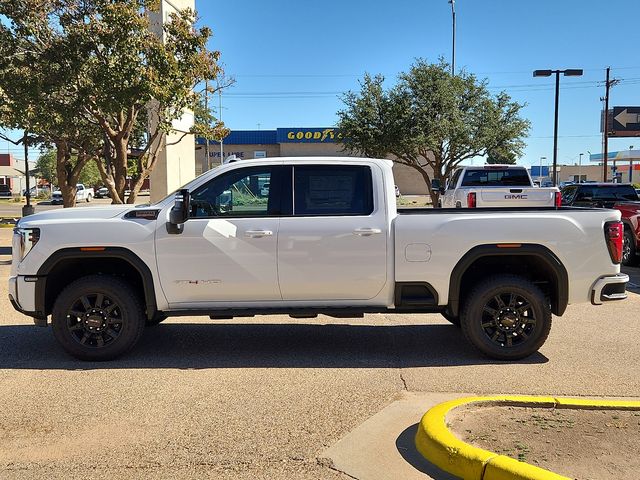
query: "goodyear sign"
308, 135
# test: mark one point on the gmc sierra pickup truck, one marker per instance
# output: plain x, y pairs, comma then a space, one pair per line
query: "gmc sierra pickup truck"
325, 239
495, 186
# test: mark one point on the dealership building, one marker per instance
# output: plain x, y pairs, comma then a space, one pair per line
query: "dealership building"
295, 142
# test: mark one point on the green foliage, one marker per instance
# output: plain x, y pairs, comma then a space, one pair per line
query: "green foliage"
431, 121
46, 166
94, 80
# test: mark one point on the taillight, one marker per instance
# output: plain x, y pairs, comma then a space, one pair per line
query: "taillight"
558, 200
471, 200
613, 234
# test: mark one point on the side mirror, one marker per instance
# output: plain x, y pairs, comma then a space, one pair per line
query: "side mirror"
179, 212
436, 185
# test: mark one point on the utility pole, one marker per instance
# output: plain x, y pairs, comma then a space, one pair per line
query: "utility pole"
453, 41
206, 165
220, 119
605, 138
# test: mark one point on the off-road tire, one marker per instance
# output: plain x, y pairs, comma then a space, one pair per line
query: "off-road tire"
98, 317
525, 317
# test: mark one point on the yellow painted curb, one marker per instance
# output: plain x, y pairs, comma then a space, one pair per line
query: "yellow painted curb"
437, 444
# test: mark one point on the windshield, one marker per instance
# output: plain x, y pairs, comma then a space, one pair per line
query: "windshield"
508, 177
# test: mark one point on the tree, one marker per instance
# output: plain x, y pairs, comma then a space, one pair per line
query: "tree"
431, 121
112, 85
38, 93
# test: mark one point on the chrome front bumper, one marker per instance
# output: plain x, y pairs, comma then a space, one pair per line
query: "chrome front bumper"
607, 289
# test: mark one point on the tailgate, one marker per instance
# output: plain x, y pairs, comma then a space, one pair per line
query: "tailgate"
515, 197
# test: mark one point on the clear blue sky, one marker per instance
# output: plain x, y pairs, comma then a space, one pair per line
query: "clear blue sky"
291, 59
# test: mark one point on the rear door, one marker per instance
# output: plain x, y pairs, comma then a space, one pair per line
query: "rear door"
334, 247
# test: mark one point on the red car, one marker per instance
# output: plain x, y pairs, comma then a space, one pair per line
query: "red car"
621, 196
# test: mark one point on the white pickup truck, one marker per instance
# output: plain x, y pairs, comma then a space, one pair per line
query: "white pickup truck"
495, 186
82, 194
327, 239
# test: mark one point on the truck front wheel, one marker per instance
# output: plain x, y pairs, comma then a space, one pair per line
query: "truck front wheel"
98, 317
506, 317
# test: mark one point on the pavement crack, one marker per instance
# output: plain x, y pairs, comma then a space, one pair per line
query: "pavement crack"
404, 382
397, 358
327, 462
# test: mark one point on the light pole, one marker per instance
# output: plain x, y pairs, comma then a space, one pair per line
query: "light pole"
540, 172
572, 72
630, 165
453, 40
580, 168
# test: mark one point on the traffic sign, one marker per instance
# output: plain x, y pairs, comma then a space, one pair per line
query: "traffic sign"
626, 122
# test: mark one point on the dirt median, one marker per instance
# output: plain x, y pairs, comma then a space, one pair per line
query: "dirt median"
581, 444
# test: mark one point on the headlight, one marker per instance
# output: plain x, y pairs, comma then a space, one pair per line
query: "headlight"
24, 239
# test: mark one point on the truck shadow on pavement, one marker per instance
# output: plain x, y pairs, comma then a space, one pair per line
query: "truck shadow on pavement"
225, 345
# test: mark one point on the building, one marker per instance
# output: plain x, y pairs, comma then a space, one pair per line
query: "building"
12, 173
294, 142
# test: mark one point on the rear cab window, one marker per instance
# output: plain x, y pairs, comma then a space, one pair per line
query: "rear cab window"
496, 177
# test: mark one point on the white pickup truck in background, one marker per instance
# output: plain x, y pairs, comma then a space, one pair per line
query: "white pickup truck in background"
83, 194
495, 186
327, 238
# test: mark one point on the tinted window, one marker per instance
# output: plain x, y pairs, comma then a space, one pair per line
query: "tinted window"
333, 190
245, 192
568, 194
4, 188
454, 180
615, 194
514, 177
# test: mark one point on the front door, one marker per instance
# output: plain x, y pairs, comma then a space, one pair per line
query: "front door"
227, 251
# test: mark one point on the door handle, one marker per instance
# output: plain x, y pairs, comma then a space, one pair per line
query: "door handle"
365, 232
258, 233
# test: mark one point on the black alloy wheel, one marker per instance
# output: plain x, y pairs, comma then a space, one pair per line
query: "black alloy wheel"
98, 317
94, 320
506, 317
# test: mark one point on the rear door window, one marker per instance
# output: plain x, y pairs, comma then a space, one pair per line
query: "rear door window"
332, 190
615, 194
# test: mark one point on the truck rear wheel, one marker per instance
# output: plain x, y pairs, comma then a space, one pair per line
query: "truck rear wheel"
98, 317
506, 317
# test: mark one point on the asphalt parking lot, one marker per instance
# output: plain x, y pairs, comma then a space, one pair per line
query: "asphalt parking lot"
266, 397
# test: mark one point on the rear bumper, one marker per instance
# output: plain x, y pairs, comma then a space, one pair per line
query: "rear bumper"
607, 289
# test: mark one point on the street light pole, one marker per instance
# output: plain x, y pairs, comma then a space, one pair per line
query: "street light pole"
630, 165
453, 40
540, 172
580, 168
28, 208
572, 72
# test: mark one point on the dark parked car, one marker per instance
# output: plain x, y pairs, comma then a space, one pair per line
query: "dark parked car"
620, 196
102, 192
5, 191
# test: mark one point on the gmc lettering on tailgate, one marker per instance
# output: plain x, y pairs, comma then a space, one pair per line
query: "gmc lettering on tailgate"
517, 196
